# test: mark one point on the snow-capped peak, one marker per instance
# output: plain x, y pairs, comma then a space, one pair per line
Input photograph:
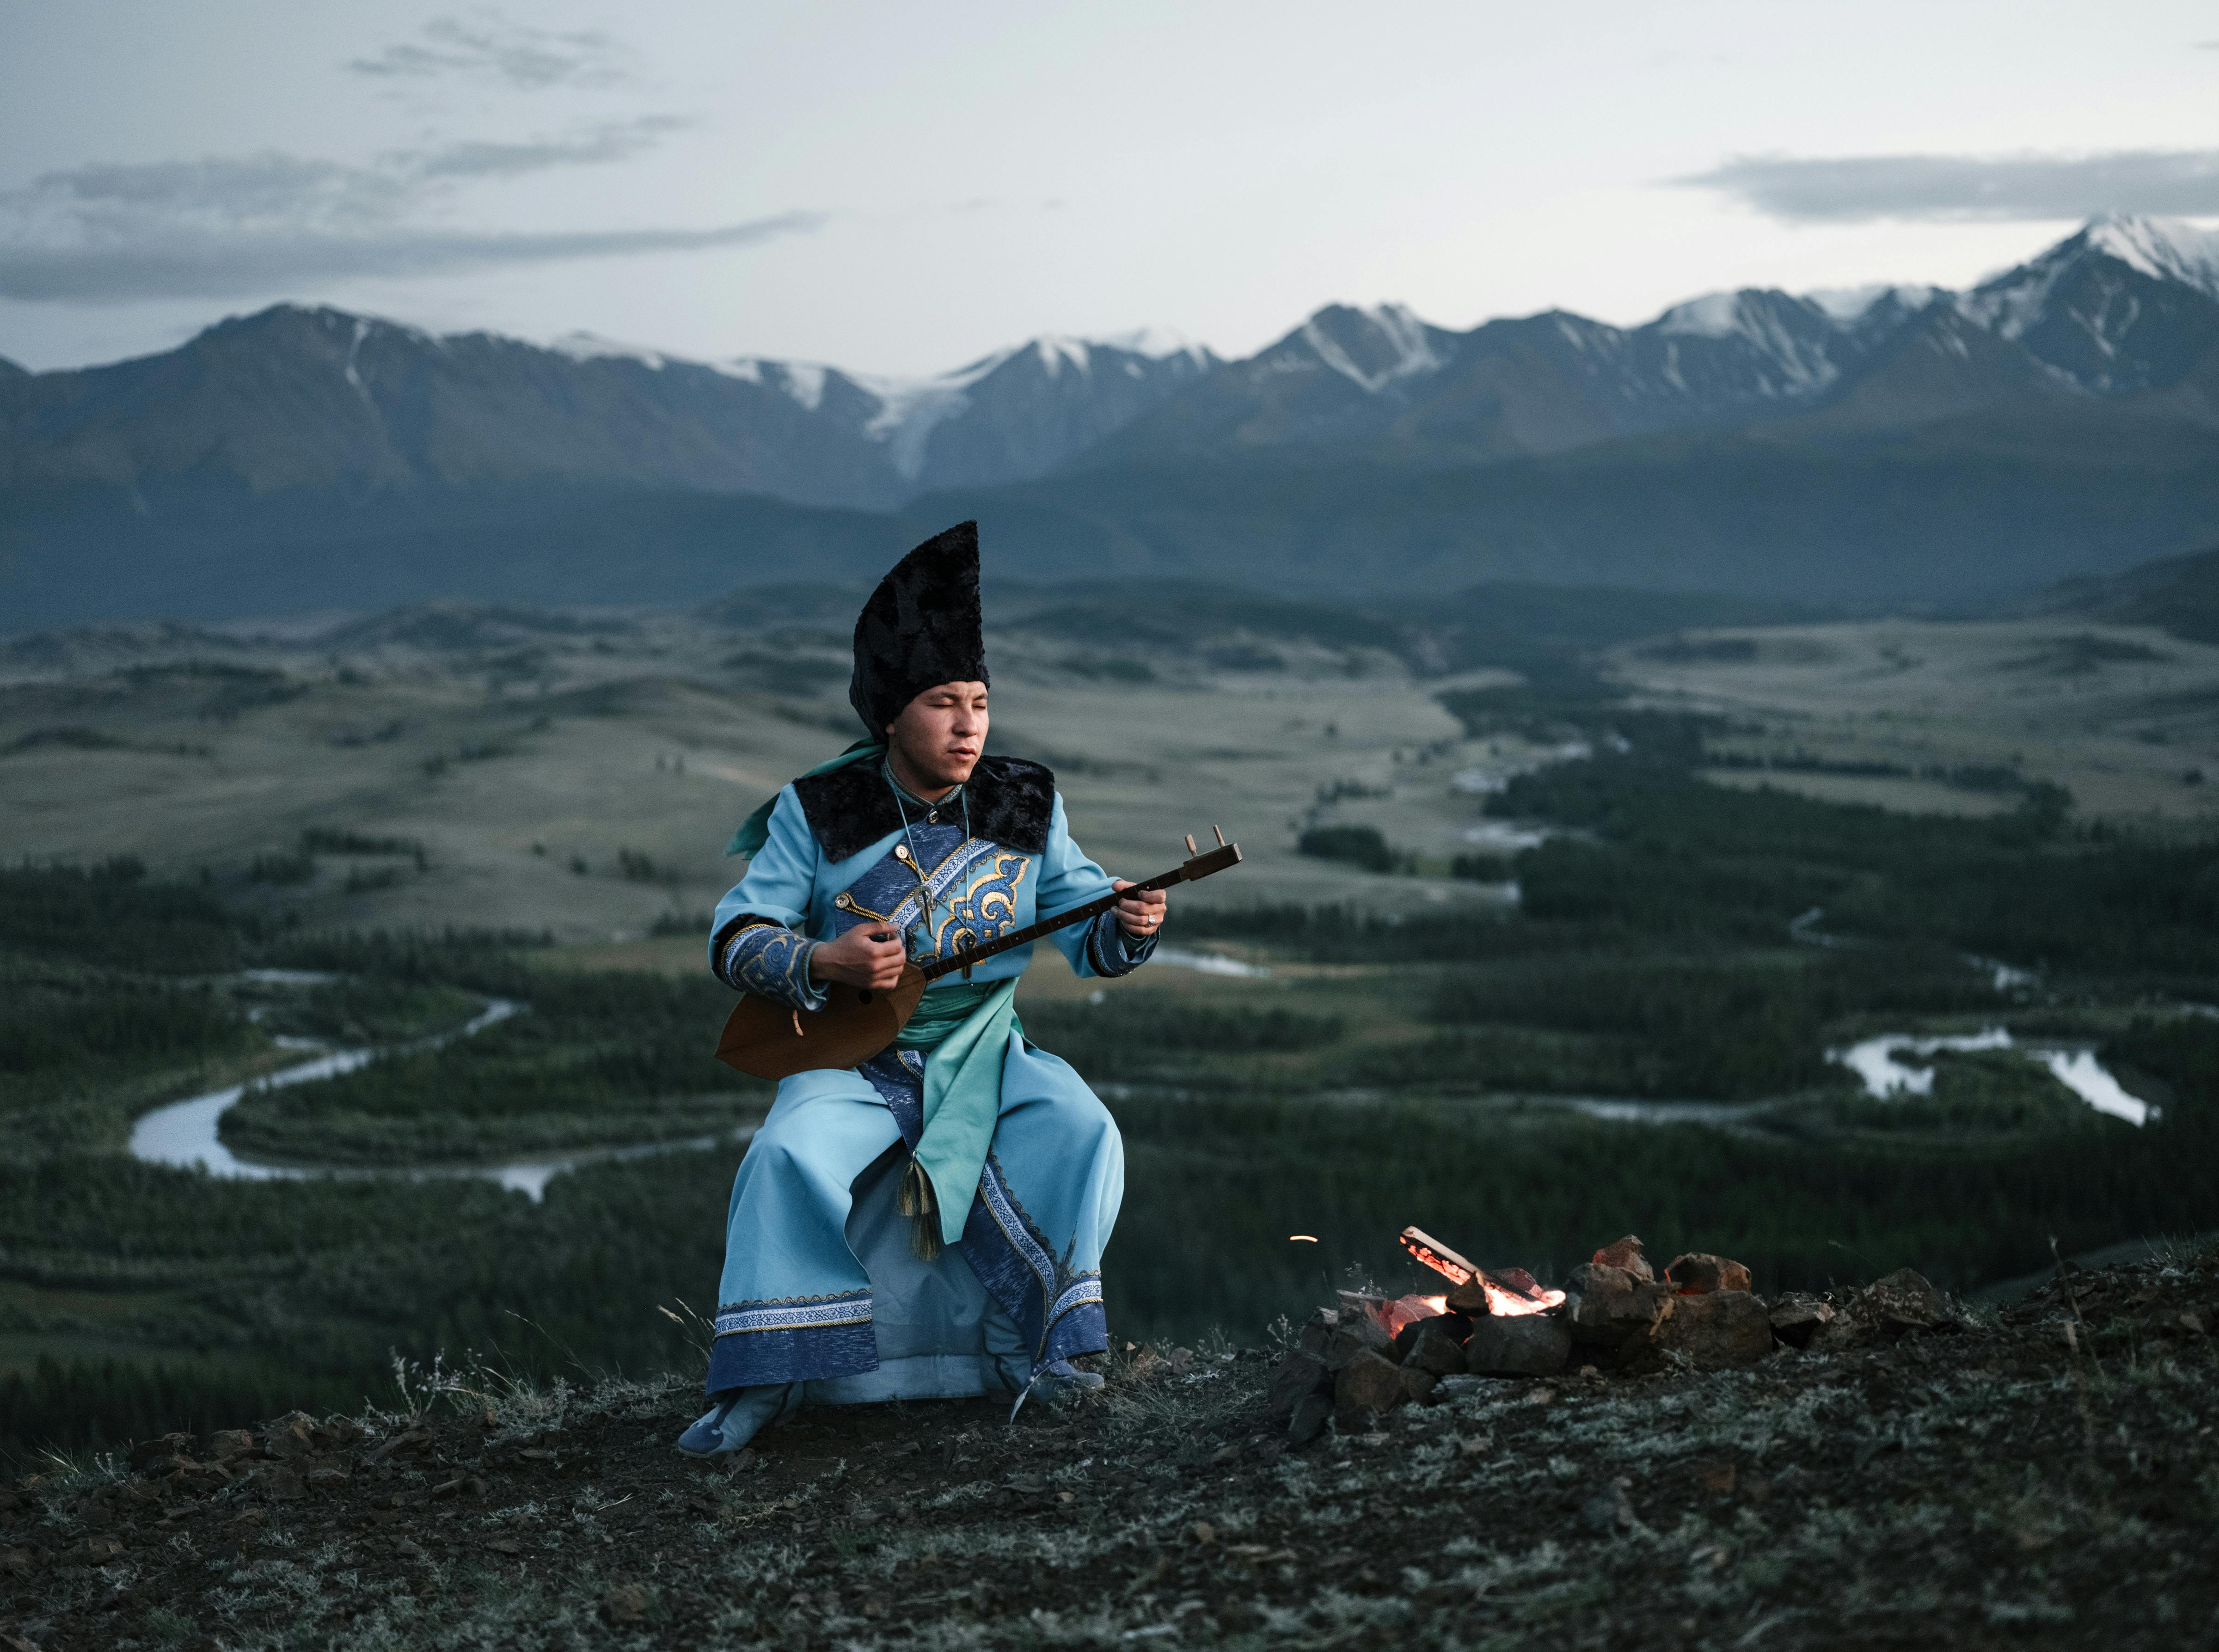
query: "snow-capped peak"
1714, 315
1054, 348
1847, 306
1407, 350
1157, 344
592, 347
2164, 248
1765, 320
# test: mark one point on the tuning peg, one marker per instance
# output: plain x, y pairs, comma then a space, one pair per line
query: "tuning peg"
1190, 849
1220, 835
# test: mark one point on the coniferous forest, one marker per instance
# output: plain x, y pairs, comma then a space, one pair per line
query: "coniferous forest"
1431, 1069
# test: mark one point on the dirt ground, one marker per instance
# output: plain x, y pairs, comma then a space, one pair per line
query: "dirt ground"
2042, 1474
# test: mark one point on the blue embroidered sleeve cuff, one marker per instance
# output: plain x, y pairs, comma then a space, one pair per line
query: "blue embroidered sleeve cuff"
772, 961
1111, 951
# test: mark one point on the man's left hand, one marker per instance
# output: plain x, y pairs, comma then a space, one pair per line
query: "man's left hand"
1139, 916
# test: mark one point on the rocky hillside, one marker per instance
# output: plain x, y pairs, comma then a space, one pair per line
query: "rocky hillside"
2045, 1475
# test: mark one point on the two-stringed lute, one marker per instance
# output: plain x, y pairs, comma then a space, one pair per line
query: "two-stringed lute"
772, 1040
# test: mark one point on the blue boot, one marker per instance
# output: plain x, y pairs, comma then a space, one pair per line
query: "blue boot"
1057, 1383
738, 1416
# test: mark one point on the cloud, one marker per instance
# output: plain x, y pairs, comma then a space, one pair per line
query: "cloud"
2165, 183
487, 46
183, 265
602, 146
244, 226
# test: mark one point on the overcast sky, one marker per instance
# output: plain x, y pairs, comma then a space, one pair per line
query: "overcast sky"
900, 188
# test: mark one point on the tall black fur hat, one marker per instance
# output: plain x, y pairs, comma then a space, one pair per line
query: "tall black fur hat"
921, 628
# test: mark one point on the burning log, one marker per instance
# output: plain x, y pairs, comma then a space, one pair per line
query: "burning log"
1511, 1291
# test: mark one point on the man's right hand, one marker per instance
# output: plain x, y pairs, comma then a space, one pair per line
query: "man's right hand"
869, 956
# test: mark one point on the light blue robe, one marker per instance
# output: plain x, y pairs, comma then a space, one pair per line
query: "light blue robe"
820, 1285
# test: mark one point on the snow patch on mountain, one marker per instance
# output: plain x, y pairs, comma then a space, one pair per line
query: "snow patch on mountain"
1847, 306
2162, 249
1408, 348
592, 347
1160, 343
1754, 317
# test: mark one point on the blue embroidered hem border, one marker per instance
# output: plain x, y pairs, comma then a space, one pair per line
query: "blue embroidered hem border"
742, 1358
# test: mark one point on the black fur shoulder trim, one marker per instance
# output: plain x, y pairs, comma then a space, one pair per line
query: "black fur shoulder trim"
850, 809
1015, 804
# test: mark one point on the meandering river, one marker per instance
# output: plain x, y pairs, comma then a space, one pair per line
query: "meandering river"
185, 1133
1874, 1061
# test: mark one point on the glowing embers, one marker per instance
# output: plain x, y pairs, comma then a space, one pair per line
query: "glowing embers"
1507, 1291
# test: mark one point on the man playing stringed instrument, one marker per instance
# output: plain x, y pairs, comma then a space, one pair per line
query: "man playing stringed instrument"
928, 1223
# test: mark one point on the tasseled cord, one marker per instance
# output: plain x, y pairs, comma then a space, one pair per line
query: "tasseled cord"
914, 1199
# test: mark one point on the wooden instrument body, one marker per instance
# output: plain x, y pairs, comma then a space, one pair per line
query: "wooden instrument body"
773, 1040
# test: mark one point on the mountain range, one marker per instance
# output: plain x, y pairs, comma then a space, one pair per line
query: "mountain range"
1888, 445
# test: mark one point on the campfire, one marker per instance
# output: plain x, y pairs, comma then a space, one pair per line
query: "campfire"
1359, 1359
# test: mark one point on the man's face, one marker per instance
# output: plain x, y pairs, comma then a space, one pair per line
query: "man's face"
940, 733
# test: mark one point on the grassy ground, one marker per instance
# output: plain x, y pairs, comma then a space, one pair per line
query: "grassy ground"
2045, 1476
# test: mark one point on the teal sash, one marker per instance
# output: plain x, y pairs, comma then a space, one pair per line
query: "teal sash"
963, 1102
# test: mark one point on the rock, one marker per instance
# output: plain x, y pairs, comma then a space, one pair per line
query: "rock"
625, 1604
1318, 1329
1357, 1335
1885, 1309
326, 1479
1717, 1330
1625, 1253
1797, 1317
1311, 1415
1417, 1385
279, 1485
1518, 1345
290, 1438
94, 1551
1457, 1387
1609, 1509
1905, 1300
1469, 1298
1361, 1304
147, 1452
1616, 1307
1698, 1273
1297, 1377
1436, 1348
1369, 1380
227, 1443
17, 1563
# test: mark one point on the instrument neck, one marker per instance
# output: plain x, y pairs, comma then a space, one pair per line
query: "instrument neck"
972, 957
